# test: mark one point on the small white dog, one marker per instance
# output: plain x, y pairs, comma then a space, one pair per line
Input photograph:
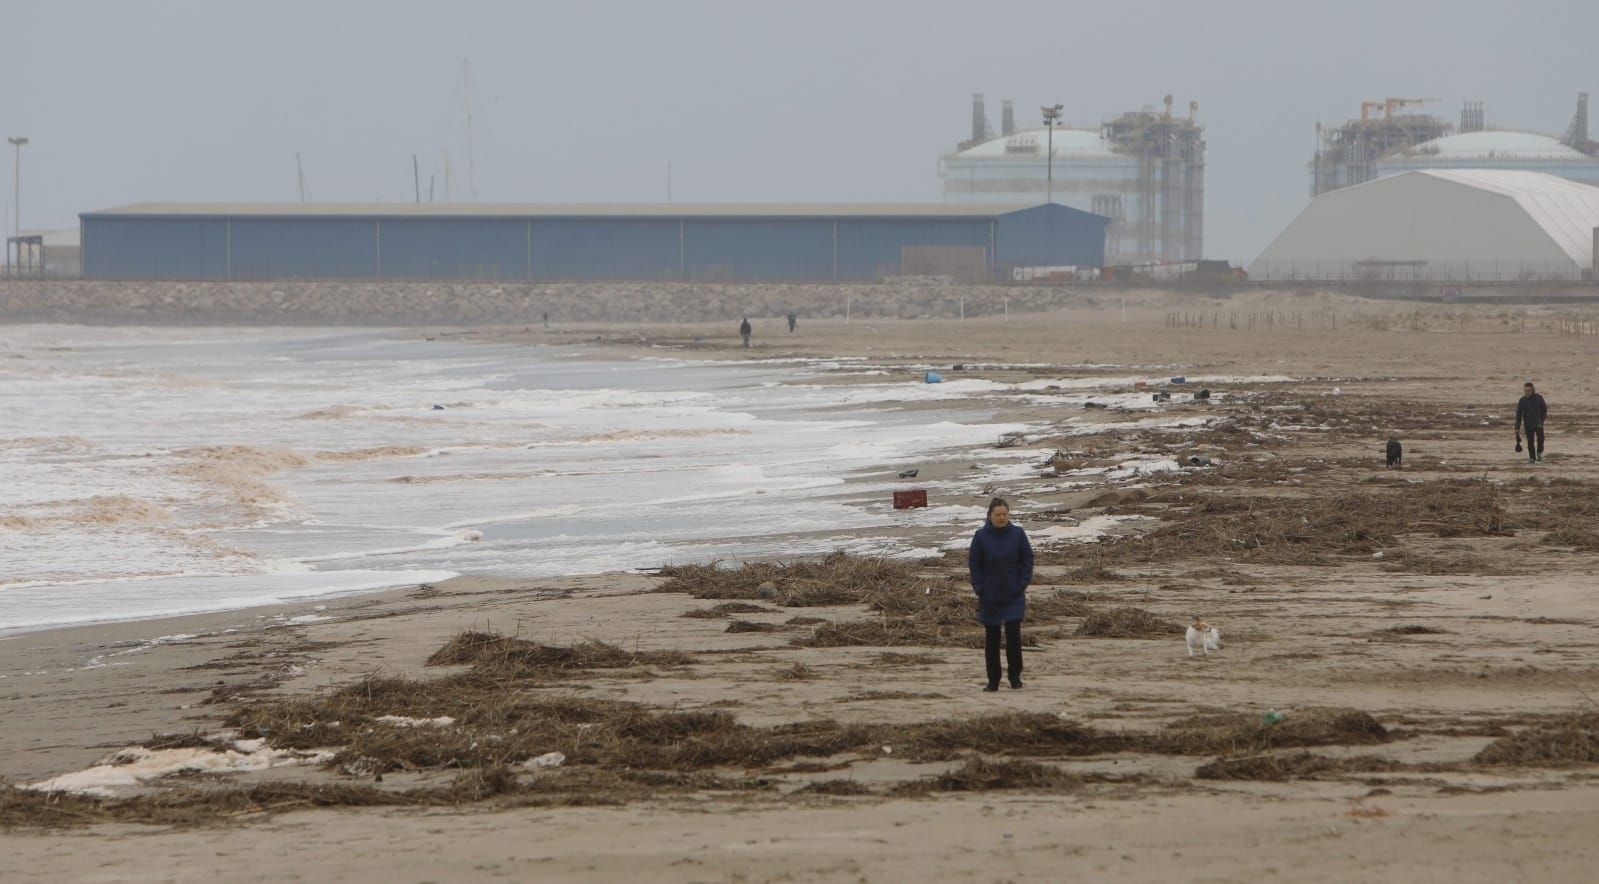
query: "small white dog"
1203, 637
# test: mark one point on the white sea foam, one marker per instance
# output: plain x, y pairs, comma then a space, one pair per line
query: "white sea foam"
403, 721
1090, 529
136, 765
1137, 468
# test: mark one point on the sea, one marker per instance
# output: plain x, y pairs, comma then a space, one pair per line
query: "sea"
154, 472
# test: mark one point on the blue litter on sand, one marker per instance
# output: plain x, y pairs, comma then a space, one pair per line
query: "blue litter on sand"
1179, 380
934, 377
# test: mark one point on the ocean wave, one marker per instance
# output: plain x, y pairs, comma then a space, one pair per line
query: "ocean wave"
379, 451
241, 471
102, 510
649, 435
470, 477
442, 541
47, 444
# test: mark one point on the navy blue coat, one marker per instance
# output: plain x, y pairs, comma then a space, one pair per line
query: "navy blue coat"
1001, 562
1531, 411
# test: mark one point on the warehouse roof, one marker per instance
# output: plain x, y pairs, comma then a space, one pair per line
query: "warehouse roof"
566, 210
1566, 210
1444, 215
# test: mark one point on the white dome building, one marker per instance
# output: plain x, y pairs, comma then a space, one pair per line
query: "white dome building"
1144, 170
1495, 149
1441, 225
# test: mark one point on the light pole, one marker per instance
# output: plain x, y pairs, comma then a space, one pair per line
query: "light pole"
16, 193
16, 184
1051, 116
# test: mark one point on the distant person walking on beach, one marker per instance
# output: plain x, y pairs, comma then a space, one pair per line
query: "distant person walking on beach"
793, 322
1530, 413
744, 331
1001, 564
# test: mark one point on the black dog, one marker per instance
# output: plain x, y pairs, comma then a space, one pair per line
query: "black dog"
1396, 453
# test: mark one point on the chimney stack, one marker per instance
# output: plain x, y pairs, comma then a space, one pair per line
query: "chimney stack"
1007, 118
1471, 117
1577, 133
979, 119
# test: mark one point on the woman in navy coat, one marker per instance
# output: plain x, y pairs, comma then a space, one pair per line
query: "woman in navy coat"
1001, 562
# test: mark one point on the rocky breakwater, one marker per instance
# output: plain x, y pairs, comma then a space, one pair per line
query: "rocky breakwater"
481, 303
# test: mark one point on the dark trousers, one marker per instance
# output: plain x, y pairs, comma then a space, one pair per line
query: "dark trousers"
1534, 442
1013, 651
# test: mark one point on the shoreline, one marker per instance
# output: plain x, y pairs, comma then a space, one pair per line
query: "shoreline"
848, 496
138, 664
807, 370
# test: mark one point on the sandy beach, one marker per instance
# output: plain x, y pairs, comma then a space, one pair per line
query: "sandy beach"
1408, 688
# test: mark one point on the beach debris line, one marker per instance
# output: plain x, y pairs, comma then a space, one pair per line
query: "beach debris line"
488, 651
727, 608
987, 775
1126, 622
1566, 739
212, 805
1312, 528
1296, 766
838, 579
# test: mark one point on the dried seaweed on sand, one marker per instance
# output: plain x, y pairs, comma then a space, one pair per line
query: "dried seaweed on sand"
1299, 765
984, 775
1126, 622
1570, 739
1236, 734
838, 579
490, 651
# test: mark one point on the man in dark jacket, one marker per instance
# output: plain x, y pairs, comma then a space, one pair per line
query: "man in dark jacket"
744, 331
1530, 413
1001, 565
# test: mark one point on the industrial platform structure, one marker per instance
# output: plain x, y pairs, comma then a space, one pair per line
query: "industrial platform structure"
1394, 141
695, 242
1145, 170
1441, 225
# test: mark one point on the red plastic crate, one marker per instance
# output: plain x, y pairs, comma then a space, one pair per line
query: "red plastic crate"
904, 500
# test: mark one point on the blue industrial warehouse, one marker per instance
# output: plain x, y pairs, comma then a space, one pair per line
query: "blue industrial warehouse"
722, 243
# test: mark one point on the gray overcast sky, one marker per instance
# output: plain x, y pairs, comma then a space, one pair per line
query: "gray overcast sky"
816, 100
